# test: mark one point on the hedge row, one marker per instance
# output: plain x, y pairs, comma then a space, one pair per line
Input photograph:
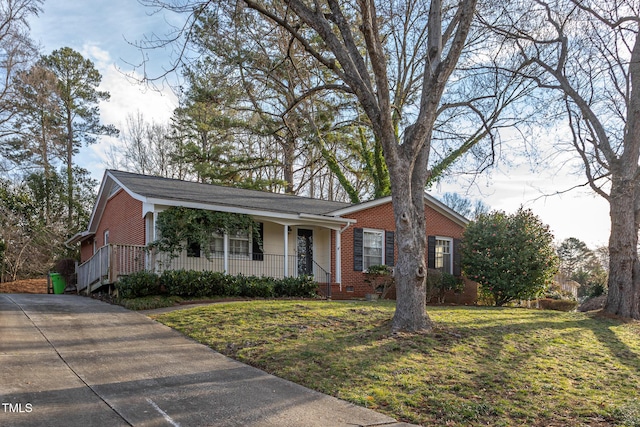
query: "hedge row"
189, 283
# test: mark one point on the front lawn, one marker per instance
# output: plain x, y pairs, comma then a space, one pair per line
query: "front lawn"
481, 365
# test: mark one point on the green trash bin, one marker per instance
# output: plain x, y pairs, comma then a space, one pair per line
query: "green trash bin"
58, 283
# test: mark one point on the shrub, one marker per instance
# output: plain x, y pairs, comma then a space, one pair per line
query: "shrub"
439, 283
215, 283
302, 286
189, 283
557, 304
511, 256
183, 283
140, 284
255, 287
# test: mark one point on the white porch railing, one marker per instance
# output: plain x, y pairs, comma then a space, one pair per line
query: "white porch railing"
108, 263
112, 261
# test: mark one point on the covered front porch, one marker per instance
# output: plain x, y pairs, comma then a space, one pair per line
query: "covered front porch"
285, 249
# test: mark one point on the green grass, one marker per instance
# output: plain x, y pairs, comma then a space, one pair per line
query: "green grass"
480, 366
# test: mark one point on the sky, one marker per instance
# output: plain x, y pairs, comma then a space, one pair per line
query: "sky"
104, 31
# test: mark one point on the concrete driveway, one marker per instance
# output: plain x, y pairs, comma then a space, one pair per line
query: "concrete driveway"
71, 361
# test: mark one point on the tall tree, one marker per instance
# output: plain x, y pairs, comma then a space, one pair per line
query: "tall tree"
36, 126
586, 54
435, 34
78, 82
16, 49
573, 254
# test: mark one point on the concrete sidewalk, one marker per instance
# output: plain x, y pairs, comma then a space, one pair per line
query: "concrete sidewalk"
73, 361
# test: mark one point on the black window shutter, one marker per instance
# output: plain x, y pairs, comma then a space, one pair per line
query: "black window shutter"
431, 252
357, 249
389, 246
257, 251
457, 264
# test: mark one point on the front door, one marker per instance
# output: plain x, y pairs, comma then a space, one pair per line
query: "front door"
305, 252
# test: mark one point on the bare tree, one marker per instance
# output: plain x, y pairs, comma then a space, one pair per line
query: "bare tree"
395, 59
586, 54
147, 148
16, 49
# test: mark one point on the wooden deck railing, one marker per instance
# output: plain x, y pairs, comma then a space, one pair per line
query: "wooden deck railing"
109, 263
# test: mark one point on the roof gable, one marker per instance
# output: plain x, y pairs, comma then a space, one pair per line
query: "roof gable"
430, 201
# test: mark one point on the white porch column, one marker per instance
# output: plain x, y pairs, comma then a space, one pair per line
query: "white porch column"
286, 251
226, 253
339, 257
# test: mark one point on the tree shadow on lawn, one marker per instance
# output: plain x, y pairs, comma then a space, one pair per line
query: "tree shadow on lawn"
502, 364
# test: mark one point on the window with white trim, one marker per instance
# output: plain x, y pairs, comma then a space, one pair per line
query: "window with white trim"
216, 244
443, 254
372, 248
239, 244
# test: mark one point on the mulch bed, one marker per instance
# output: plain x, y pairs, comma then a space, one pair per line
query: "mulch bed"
27, 286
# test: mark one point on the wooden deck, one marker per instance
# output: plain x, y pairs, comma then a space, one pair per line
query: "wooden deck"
109, 263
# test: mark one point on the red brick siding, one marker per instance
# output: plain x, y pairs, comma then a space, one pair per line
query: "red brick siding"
381, 218
122, 216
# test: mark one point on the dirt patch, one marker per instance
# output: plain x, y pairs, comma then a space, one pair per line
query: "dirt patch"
28, 286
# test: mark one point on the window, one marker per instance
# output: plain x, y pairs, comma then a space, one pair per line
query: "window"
443, 255
106, 237
372, 248
239, 244
216, 244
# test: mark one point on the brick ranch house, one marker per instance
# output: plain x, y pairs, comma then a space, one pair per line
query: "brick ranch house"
333, 241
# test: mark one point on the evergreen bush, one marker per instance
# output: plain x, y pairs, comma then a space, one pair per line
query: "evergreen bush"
191, 283
139, 284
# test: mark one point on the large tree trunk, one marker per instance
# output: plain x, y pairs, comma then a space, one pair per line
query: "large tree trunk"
624, 270
407, 189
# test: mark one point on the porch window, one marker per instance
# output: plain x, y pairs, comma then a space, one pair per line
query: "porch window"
239, 244
216, 245
372, 248
443, 255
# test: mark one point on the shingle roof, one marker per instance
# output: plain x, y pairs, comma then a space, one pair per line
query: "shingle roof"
173, 189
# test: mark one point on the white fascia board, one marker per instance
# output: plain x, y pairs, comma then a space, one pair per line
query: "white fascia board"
78, 237
129, 192
102, 198
331, 219
97, 202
